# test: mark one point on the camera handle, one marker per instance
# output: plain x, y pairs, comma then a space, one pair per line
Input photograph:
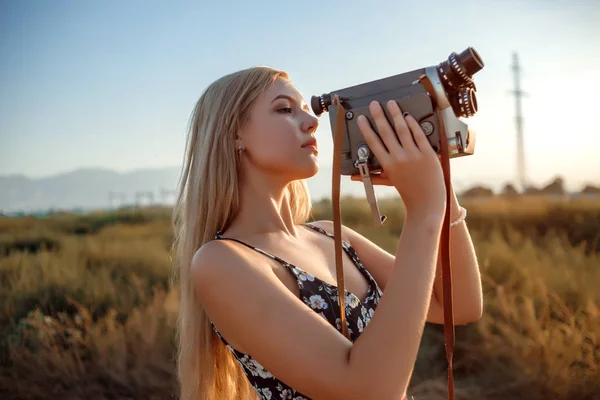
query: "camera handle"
444, 254
361, 164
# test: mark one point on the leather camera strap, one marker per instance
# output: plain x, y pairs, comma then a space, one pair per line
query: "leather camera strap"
338, 138
444, 254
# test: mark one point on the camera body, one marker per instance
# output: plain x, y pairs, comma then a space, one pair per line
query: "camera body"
436, 96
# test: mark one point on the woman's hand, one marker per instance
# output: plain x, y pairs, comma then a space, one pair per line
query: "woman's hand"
409, 162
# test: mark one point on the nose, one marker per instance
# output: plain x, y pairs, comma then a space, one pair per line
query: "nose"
309, 123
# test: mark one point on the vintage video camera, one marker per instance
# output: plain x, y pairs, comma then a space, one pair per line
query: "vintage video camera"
436, 96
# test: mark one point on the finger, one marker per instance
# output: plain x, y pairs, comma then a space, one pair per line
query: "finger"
402, 130
389, 137
420, 138
373, 141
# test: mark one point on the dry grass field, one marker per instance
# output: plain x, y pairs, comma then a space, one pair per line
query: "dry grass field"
86, 310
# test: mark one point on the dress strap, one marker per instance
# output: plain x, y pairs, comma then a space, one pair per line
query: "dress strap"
219, 236
318, 229
345, 245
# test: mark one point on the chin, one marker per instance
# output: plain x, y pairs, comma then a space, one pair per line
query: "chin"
313, 173
307, 173
315, 168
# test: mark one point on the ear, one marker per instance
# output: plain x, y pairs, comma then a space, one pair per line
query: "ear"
238, 141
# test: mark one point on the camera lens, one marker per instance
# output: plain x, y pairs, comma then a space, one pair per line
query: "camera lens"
458, 70
320, 104
464, 102
470, 60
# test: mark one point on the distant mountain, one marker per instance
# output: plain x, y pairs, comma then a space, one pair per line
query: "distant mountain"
86, 188
90, 188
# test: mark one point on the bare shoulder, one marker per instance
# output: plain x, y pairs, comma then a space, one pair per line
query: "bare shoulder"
211, 254
251, 307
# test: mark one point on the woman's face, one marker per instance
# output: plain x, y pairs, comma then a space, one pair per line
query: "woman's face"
279, 125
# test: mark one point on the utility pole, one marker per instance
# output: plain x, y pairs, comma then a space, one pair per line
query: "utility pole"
521, 174
165, 194
141, 194
112, 195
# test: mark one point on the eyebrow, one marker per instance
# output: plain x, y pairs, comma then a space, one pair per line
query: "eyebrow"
290, 98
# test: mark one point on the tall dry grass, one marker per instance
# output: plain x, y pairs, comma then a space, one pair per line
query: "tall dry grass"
87, 311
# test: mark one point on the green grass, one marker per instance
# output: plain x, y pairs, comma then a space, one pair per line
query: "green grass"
86, 310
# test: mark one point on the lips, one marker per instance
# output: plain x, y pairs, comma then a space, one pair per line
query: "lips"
310, 142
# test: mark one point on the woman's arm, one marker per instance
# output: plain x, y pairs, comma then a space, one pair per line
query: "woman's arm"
252, 308
467, 296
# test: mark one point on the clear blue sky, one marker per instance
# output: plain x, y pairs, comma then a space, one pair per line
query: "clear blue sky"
111, 83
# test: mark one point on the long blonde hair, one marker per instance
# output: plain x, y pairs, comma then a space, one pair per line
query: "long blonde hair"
208, 200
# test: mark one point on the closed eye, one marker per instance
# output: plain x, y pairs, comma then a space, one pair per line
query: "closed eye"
285, 110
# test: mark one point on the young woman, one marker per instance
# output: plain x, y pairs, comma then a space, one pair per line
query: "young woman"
259, 316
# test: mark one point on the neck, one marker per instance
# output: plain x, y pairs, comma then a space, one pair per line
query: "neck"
264, 208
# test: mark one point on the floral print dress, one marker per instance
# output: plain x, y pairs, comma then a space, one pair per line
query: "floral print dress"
320, 296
